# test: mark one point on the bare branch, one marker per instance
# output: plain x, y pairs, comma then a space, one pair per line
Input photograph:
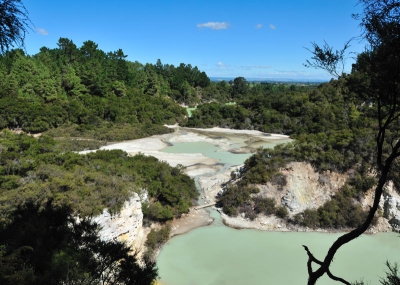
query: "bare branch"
14, 24
333, 277
325, 58
381, 64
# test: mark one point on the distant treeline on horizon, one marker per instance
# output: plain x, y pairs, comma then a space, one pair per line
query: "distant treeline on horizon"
271, 80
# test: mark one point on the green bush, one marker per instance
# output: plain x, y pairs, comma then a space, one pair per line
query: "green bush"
156, 238
281, 212
339, 212
264, 205
33, 170
235, 197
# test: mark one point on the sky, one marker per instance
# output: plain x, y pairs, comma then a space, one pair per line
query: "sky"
255, 39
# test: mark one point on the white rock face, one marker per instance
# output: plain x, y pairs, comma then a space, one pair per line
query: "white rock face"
305, 188
391, 205
125, 226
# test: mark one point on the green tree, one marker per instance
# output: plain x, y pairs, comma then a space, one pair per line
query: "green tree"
68, 50
240, 87
49, 246
14, 24
392, 276
379, 64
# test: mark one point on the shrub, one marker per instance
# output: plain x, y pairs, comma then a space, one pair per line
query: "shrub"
264, 205
279, 180
156, 238
235, 197
281, 212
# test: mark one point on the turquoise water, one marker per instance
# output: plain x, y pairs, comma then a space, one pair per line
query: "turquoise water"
208, 150
213, 151
220, 255
189, 111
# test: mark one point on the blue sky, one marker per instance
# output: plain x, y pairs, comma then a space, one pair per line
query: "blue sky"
253, 39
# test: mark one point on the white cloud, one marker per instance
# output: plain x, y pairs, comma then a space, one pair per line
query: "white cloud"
272, 27
221, 65
214, 25
41, 31
259, 26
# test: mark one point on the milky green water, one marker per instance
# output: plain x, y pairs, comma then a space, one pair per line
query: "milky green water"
208, 150
189, 111
220, 255
217, 255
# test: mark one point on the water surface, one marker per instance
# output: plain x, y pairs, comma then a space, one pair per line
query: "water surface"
217, 255
221, 255
208, 150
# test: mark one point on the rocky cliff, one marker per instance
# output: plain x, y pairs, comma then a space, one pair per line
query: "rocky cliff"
125, 226
390, 203
304, 187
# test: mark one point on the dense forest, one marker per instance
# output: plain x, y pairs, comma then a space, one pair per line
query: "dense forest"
87, 88
43, 190
79, 98
69, 93
333, 128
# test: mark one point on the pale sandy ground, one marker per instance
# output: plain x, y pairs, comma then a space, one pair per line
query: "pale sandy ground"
210, 181
152, 146
241, 132
198, 164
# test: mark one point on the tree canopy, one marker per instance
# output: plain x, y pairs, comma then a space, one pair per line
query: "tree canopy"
377, 75
14, 24
47, 245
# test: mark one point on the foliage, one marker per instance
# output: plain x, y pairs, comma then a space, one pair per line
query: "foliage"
33, 170
261, 167
14, 24
338, 213
156, 238
105, 132
47, 245
327, 59
65, 144
376, 76
244, 200
235, 197
392, 276
264, 205
281, 212
92, 89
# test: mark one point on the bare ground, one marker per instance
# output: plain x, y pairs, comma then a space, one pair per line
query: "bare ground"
194, 219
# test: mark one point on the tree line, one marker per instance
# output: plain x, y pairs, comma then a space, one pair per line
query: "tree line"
48, 197
85, 91
90, 88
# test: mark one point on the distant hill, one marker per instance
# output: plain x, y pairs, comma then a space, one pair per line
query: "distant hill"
271, 80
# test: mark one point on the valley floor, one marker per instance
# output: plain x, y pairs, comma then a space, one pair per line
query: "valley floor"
207, 169
210, 175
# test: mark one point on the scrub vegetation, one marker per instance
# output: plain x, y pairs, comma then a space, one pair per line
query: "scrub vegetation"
34, 170
79, 98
